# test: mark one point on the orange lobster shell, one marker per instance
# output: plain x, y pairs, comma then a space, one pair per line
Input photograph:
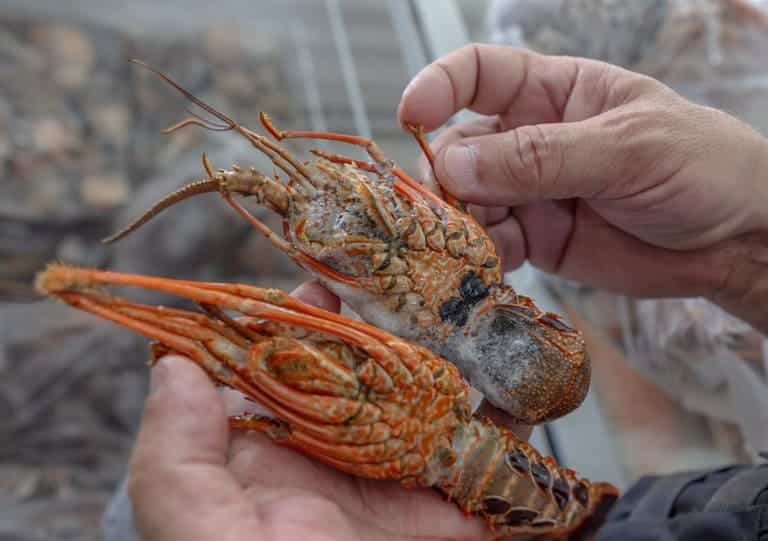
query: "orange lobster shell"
406, 261
353, 396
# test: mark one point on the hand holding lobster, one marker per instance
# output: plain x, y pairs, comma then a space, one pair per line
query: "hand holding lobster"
352, 395
190, 479
369, 403
601, 175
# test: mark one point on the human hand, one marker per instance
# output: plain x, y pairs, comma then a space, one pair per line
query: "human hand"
602, 175
190, 479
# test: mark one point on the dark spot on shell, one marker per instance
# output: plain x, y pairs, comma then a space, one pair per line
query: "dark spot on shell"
520, 517
490, 262
518, 461
472, 288
495, 506
543, 523
581, 493
561, 490
456, 310
541, 475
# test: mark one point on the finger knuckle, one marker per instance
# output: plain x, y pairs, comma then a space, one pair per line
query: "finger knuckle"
531, 159
145, 475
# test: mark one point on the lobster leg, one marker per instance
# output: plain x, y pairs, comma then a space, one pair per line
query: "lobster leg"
408, 187
370, 146
381, 164
418, 134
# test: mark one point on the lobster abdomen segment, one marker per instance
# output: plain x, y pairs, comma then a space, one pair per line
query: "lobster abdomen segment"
517, 491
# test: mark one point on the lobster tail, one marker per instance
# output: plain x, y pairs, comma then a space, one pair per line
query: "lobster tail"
520, 493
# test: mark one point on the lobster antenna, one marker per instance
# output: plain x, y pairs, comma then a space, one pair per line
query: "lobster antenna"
201, 186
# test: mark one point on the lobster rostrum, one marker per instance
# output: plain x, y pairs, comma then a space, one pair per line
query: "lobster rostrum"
352, 396
405, 260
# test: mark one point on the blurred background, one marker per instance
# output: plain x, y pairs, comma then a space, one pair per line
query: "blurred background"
677, 383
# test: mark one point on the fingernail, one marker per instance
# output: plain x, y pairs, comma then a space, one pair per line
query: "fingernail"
412, 83
461, 165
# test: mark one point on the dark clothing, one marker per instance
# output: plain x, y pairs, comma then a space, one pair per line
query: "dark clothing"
727, 504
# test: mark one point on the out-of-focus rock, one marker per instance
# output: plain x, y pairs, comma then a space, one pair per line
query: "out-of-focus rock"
81, 155
71, 54
104, 191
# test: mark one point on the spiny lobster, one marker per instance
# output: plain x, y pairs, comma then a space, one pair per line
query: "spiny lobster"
406, 261
353, 396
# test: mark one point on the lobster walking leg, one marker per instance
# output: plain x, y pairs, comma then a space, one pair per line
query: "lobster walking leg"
381, 164
409, 187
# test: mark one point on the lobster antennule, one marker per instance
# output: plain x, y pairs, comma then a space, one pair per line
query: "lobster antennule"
279, 156
187, 94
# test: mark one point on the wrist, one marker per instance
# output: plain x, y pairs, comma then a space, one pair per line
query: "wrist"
744, 290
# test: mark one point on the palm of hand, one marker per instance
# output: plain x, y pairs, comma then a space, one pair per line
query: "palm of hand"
297, 498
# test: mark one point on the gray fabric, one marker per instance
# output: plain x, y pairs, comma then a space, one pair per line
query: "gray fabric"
740, 491
660, 498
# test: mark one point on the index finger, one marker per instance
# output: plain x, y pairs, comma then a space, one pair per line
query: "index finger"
497, 79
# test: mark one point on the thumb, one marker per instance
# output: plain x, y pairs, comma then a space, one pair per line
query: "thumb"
184, 417
530, 163
178, 468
